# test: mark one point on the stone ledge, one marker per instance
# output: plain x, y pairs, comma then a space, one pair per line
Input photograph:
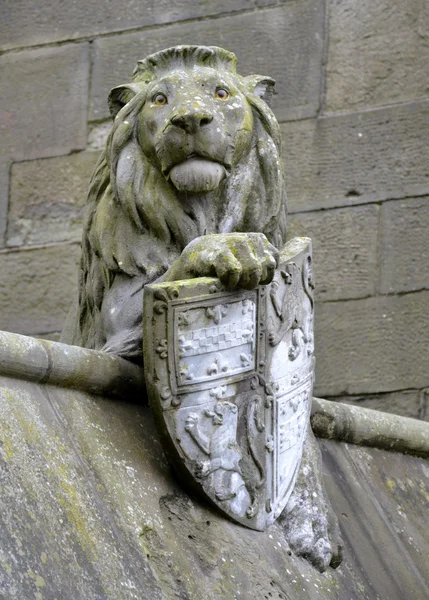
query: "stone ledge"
43, 361
89, 509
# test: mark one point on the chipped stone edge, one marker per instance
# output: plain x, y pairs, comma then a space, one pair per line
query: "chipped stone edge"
46, 362
367, 427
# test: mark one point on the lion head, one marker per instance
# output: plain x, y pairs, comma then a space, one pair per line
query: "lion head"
194, 149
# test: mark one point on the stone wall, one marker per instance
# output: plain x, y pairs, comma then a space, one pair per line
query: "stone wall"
353, 100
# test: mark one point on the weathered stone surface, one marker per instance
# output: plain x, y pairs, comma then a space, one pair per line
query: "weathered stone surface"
344, 250
47, 197
4, 200
378, 53
89, 509
287, 38
404, 263
368, 427
374, 345
380, 496
29, 23
404, 402
44, 101
81, 556
358, 158
38, 286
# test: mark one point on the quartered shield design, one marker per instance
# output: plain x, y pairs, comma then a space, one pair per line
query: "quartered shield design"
229, 377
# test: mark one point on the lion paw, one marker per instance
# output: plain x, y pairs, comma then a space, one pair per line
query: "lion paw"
239, 260
308, 520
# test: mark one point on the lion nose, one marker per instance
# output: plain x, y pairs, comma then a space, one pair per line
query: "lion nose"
191, 120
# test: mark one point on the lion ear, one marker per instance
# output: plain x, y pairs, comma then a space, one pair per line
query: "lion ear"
120, 96
261, 86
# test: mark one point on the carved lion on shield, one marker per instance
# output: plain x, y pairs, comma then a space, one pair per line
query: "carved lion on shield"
190, 184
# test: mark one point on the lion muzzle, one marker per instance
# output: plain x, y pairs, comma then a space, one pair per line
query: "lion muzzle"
192, 120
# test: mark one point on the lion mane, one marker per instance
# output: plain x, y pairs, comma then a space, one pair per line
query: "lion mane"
136, 222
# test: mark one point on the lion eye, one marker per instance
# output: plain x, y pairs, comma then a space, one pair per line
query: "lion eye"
159, 99
222, 94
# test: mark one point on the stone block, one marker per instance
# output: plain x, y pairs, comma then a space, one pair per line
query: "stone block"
47, 197
378, 53
357, 158
344, 249
37, 288
4, 200
29, 23
283, 42
372, 345
44, 101
405, 402
404, 245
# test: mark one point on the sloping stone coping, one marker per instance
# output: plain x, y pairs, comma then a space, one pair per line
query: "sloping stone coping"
89, 508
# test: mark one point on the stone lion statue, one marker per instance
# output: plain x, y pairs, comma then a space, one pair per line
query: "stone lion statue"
190, 184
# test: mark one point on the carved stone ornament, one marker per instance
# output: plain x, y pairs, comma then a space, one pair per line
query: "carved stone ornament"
230, 377
190, 186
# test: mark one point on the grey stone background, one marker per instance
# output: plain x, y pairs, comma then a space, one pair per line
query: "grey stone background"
353, 100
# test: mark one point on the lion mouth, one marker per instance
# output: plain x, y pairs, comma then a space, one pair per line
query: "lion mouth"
197, 174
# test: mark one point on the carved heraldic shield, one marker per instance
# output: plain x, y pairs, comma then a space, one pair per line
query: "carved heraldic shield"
229, 377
